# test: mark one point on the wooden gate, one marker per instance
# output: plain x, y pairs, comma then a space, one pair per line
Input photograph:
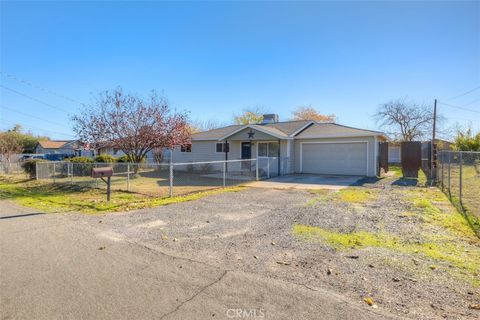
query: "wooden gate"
411, 158
382, 157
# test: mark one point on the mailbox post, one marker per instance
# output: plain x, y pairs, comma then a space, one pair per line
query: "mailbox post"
102, 173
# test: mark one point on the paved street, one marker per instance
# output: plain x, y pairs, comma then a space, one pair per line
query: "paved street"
59, 266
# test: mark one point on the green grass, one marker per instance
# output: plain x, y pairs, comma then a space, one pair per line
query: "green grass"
435, 208
48, 197
397, 170
356, 195
437, 248
353, 195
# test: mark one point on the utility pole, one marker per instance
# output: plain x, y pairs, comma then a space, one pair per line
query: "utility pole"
433, 154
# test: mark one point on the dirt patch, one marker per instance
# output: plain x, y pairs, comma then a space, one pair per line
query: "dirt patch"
405, 248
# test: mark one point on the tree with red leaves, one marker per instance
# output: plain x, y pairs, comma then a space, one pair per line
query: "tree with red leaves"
132, 124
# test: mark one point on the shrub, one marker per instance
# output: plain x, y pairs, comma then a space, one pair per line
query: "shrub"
81, 160
30, 167
105, 158
206, 168
123, 159
81, 166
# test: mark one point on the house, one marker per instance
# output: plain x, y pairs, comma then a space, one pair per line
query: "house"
117, 153
66, 147
394, 153
289, 147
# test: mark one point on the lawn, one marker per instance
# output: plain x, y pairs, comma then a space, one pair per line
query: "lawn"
65, 197
149, 181
470, 187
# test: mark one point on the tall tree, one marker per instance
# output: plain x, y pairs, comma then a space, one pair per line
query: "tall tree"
406, 120
10, 144
310, 113
249, 116
132, 124
27, 140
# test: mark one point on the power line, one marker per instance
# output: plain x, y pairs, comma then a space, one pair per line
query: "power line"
8, 75
458, 107
471, 102
40, 129
32, 116
465, 93
35, 99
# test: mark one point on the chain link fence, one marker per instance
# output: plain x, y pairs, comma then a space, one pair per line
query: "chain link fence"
11, 167
165, 179
458, 174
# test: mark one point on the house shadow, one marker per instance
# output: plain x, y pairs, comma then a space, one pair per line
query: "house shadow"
405, 182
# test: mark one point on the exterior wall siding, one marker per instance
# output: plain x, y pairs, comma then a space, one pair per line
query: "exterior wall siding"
371, 171
206, 151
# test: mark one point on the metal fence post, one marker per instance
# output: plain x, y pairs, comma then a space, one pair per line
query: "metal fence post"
443, 175
128, 176
460, 185
449, 174
171, 179
36, 170
96, 179
256, 169
70, 165
268, 167
224, 173
54, 172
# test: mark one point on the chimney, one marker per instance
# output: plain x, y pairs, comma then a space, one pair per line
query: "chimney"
270, 118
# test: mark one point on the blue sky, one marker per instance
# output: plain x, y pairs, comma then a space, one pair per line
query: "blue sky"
216, 58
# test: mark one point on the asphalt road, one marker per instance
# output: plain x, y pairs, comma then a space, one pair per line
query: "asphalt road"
55, 266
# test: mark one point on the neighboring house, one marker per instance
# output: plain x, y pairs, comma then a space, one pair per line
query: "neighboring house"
299, 146
66, 147
394, 153
117, 153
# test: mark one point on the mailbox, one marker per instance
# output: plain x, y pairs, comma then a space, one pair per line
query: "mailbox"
102, 172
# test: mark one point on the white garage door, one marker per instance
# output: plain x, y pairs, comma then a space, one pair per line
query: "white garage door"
335, 158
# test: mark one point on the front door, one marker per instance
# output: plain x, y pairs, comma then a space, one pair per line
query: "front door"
246, 154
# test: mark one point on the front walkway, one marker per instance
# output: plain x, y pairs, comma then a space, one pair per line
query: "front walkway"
307, 181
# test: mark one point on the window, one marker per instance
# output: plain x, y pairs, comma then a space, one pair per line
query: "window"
186, 148
268, 149
220, 147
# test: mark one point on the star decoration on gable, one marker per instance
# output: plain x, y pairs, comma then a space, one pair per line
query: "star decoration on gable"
251, 133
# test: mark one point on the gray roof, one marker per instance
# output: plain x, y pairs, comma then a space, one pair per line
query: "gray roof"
333, 130
285, 129
289, 128
215, 133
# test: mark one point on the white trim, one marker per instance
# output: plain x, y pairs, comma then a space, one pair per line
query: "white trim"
301, 129
330, 142
253, 127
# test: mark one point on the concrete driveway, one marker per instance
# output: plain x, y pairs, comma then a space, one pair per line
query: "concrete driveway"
307, 181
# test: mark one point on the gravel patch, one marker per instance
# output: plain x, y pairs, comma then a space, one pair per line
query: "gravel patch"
251, 230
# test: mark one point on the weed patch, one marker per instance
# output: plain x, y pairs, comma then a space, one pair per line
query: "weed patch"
455, 253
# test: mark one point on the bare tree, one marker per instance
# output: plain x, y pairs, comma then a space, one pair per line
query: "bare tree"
405, 120
310, 113
131, 124
200, 126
